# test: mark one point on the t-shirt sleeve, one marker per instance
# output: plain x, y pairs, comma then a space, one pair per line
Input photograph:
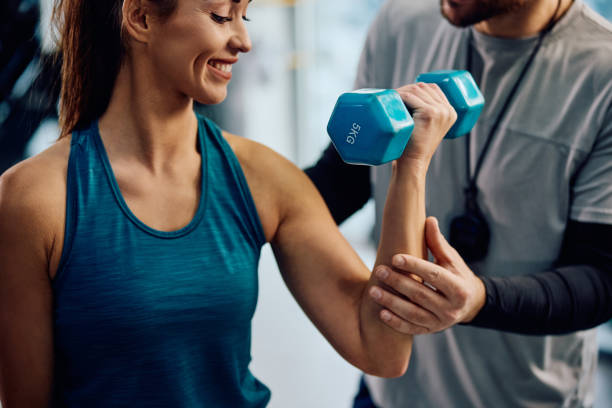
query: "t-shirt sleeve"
592, 188
369, 73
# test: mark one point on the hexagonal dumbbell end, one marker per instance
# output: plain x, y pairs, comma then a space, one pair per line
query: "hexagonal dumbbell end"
463, 93
370, 126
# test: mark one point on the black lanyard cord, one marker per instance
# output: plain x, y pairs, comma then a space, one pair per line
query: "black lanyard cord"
471, 191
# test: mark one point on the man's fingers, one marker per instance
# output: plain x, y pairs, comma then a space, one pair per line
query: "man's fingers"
404, 309
400, 325
435, 275
415, 291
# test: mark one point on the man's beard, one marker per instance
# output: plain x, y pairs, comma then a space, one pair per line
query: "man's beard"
464, 15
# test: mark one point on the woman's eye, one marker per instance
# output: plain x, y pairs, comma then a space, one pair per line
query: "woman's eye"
219, 19
245, 18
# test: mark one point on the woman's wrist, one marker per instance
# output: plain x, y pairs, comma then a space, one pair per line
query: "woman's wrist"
411, 166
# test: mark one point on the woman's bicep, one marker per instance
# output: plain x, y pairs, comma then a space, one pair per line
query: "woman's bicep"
26, 343
322, 271
26, 339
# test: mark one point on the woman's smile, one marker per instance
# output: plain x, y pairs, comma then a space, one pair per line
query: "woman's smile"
221, 68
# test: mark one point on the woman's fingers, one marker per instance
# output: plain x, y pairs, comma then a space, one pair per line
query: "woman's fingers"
433, 117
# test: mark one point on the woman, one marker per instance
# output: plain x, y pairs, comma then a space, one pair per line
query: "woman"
128, 250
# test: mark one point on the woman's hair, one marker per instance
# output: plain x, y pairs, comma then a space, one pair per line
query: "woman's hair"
92, 47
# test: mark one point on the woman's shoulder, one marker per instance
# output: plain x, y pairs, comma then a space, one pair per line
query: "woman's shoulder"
38, 178
33, 195
259, 160
277, 185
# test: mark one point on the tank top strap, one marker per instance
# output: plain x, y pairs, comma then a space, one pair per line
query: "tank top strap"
226, 154
79, 141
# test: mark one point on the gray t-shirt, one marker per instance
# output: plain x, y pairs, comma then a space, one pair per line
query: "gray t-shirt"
550, 161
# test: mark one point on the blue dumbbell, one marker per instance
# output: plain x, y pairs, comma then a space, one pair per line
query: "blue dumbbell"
373, 126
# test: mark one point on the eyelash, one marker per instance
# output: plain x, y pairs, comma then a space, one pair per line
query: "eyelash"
221, 19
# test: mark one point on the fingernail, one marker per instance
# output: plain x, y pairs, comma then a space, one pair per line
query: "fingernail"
382, 273
375, 293
386, 316
398, 260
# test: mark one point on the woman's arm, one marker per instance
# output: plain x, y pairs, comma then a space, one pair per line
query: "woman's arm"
323, 272
31, 210
404, 216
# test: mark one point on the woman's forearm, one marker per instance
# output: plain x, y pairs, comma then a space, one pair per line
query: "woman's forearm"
402, 232
403, 229
404, 214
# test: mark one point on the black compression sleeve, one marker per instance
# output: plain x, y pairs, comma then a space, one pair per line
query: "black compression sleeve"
576, 295
344, 187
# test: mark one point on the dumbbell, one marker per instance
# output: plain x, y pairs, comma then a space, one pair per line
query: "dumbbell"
373, 126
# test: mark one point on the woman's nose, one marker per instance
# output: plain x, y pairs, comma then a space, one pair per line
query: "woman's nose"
241, 40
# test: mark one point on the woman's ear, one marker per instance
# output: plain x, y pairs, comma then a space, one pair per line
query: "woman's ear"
136, 19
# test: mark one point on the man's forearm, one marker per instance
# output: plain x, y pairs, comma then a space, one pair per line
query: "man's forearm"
560, 301
344, 187
576, 295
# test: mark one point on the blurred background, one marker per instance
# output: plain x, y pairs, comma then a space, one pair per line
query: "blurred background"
304, 55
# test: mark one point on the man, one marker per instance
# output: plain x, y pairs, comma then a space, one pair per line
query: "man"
526, 197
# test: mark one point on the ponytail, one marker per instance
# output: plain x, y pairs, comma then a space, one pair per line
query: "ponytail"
92, 50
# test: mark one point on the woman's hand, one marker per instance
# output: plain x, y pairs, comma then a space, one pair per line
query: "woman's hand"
433, 117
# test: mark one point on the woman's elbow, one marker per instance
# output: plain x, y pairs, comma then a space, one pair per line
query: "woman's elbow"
388, 368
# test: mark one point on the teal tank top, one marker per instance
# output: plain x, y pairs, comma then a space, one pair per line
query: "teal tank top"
146, 318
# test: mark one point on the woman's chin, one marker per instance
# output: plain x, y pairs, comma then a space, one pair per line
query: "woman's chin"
211, 99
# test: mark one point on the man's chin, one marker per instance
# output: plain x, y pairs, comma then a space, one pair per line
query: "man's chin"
458, 14
456, 19
463, 14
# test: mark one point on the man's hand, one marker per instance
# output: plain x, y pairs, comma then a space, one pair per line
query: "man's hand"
450, 294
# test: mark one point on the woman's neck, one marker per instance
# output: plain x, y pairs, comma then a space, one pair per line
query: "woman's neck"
146, 121
527, 21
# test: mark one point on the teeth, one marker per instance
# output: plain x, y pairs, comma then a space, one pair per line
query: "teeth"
221, 67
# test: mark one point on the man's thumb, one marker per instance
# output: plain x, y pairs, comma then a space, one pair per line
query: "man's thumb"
437, 244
